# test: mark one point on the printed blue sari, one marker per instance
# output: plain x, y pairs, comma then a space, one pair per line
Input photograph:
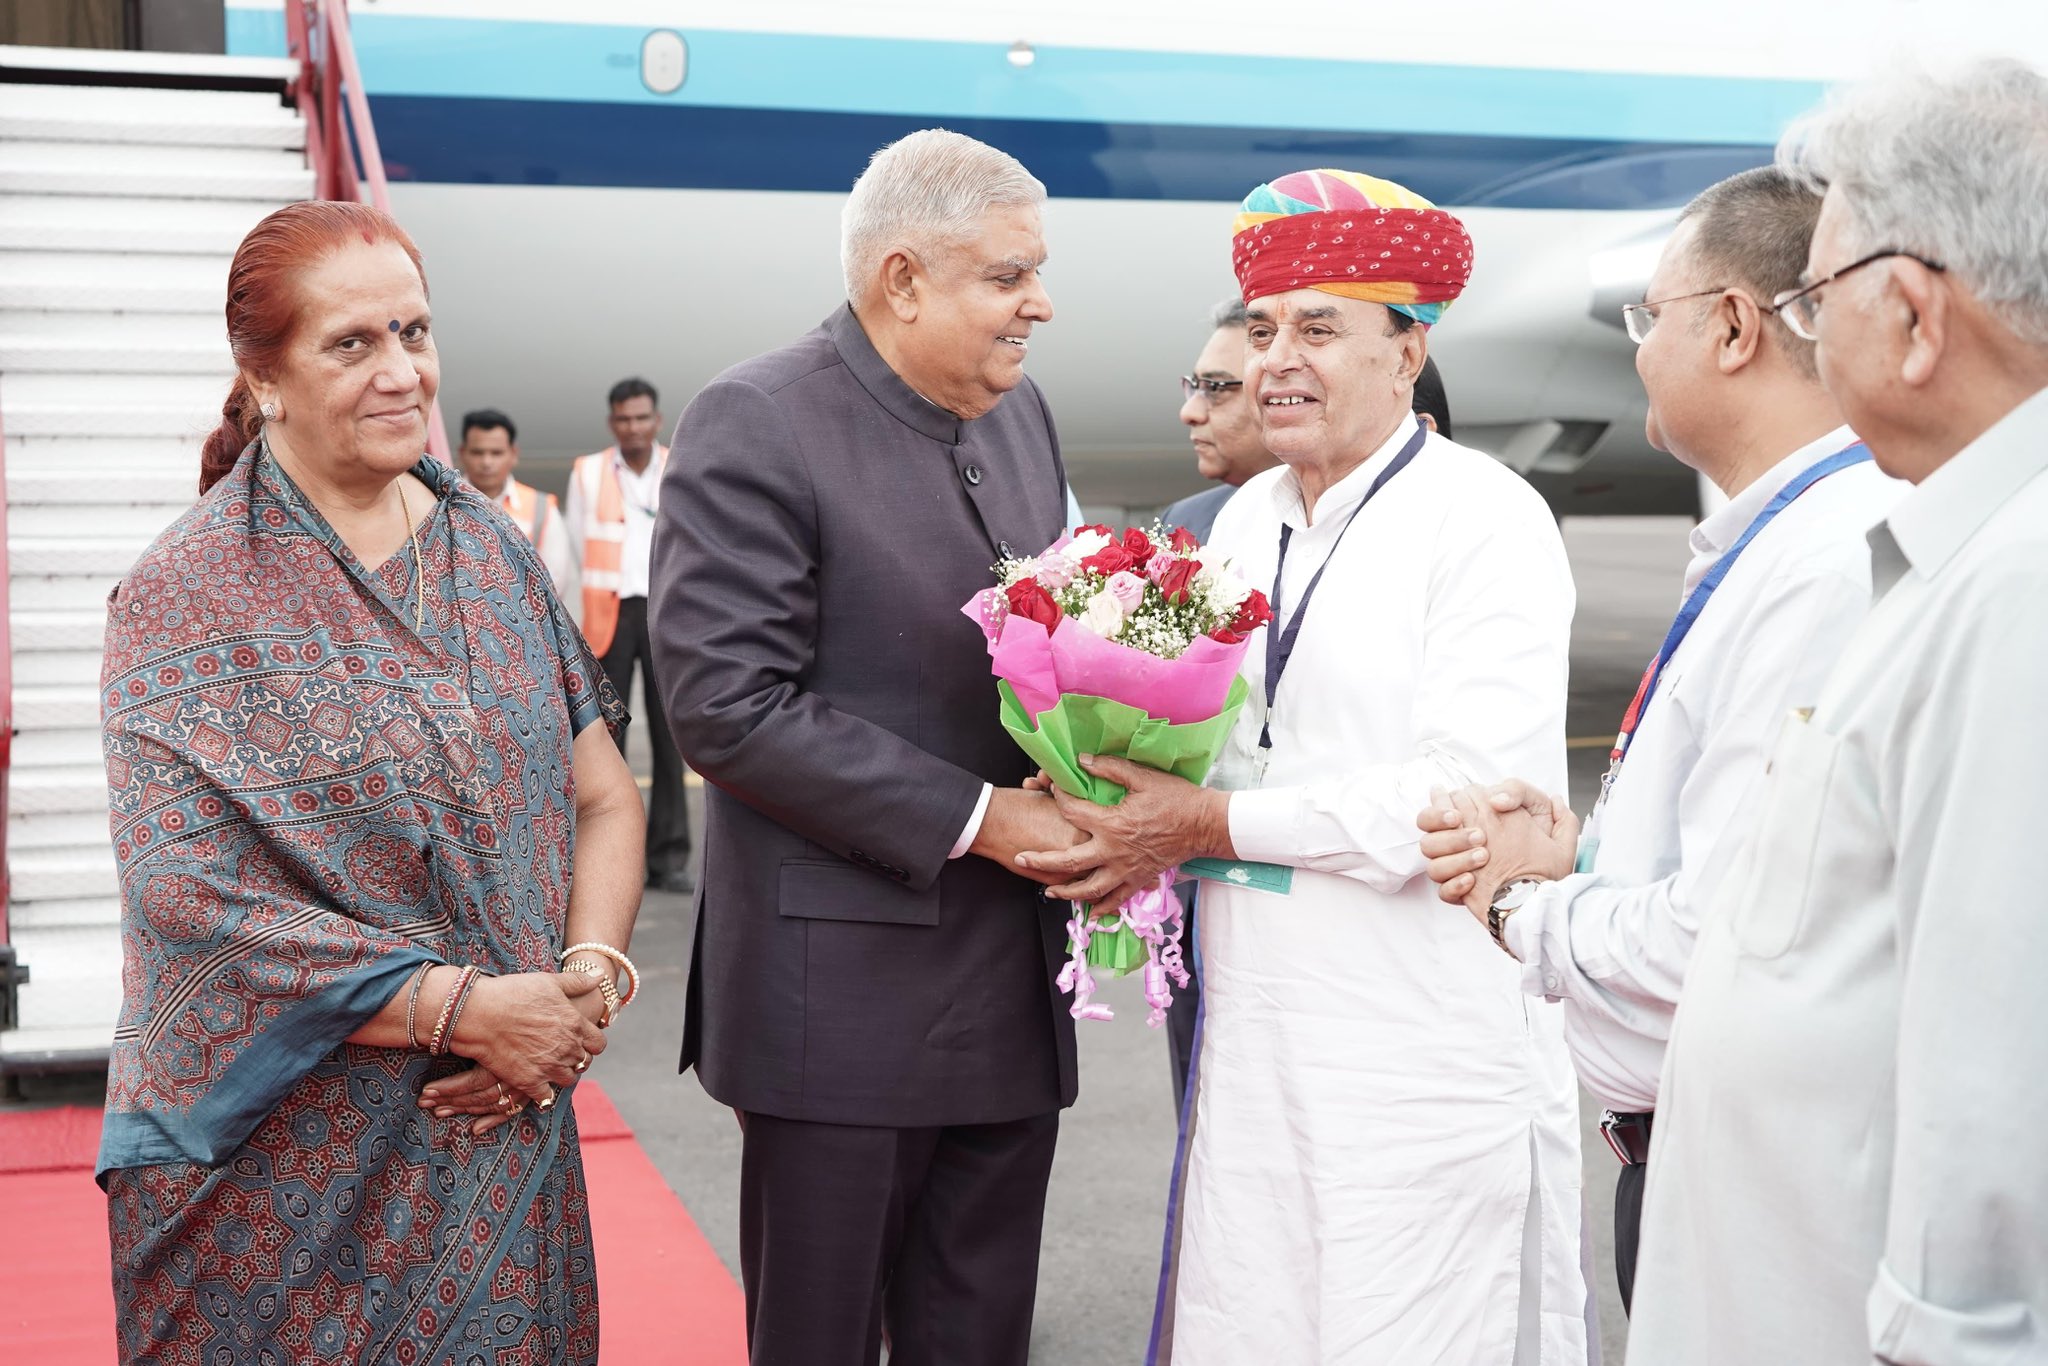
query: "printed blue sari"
310, 799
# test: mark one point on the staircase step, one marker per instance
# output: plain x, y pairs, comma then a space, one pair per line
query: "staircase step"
199, 118
56, 792
35, 631
65, 748
75, 281
89, 484
65, 555
109, 223
106, 168
62, 874
52, 708
74, 982
72, 913
60, 593
113, 343
64, 453
189, 70
143, 521
59, 667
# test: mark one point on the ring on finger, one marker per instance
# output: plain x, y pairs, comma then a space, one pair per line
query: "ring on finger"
545, 1103
584, 1064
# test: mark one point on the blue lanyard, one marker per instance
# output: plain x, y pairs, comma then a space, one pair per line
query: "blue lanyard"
1696, 601
1279, 643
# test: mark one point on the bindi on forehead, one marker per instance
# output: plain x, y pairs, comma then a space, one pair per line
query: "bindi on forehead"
393, 324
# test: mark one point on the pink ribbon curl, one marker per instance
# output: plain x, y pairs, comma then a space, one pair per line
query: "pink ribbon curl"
1154, 915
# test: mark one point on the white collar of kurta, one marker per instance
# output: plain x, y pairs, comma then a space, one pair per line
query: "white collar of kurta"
1941, 513
1712, 537
1340, 497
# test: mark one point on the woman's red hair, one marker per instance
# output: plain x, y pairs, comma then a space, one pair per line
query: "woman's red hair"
263, 304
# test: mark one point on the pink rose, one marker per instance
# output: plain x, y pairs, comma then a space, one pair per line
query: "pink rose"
1128, 590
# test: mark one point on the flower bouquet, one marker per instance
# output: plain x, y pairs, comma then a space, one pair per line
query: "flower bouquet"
1129, 646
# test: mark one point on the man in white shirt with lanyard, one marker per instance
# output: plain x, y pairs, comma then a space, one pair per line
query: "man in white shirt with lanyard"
1779, 577
613, 498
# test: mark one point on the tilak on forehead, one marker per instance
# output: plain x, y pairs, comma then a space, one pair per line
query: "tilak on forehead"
1351, 235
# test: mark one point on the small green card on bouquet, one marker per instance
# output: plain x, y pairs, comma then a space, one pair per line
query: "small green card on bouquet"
1079, 725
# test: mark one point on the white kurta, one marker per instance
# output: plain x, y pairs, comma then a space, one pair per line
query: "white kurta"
1377, 1098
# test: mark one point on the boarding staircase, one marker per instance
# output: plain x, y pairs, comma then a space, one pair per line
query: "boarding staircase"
126, 181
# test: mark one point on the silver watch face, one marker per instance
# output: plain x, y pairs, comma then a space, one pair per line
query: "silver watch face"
1512, 896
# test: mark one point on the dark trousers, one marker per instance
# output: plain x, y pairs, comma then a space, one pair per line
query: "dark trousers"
1628, 1228
1180, 1020
668, 815
930, 1236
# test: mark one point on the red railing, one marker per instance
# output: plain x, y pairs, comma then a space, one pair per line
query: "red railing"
316, 34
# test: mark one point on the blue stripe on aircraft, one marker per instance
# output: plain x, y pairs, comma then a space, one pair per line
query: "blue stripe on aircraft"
931, 80
522, 142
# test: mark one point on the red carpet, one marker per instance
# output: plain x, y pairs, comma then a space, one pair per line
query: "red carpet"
665, 1296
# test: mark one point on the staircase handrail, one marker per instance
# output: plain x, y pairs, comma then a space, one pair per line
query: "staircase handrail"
317, 34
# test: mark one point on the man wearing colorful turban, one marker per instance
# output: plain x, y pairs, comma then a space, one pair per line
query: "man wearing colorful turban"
1382, 1159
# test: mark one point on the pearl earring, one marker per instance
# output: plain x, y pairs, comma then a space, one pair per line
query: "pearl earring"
269, 411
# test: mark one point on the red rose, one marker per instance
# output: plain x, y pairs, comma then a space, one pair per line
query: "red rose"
1174, 582
1139, 546
1111, 559
1184, 540
1252, 613
1028, 598
1095, 526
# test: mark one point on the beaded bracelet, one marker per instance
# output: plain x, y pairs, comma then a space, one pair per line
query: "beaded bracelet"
412, 1001
632, 973
437, 1044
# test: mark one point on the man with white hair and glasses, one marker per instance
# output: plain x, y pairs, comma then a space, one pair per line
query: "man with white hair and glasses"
1849, 1161
871, 987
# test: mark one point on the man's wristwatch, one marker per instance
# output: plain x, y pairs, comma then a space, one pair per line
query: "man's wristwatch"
1506, 901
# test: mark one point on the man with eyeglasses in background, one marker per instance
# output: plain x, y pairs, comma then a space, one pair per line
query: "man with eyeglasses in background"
1779, 578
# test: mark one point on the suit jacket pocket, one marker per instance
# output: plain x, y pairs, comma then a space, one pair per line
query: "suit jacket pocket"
832, 889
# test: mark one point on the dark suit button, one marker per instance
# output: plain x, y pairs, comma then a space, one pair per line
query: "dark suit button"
1003, 549
972, 474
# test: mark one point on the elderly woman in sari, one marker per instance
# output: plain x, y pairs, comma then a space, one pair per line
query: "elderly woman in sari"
351, 752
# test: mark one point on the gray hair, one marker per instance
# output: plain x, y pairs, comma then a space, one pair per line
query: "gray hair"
925, 192
1753, 230
1953, 166
1229, 313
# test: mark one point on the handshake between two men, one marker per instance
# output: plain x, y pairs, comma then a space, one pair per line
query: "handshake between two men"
1482, 839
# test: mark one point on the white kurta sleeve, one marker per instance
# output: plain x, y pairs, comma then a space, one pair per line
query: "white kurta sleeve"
573, 513
1617, 954
1964, 1277
559, 555
1489, 702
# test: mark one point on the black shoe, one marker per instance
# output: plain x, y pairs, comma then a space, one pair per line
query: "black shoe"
677, 880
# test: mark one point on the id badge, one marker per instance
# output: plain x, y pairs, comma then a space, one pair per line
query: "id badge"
1276, 879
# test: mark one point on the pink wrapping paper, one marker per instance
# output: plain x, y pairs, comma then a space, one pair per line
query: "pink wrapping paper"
1075, 660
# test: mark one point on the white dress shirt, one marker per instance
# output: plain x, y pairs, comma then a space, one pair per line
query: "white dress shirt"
1381, 1116
1851, 1154
641, 494
554, 548
1613, 943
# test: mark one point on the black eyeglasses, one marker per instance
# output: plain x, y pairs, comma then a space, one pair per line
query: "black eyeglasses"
1800, 308
1638, 319
1211, 389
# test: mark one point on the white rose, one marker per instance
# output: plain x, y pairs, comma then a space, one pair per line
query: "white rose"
1104, 615
1084, 545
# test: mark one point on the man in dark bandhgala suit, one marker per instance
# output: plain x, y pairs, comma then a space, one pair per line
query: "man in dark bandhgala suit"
872, 985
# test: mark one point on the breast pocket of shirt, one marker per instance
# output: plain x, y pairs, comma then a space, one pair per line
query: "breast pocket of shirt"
1784, 850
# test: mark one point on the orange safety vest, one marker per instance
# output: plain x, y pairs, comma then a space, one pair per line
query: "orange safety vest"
604, 540
528, 506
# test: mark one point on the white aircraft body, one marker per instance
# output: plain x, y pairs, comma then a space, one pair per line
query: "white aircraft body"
653, 187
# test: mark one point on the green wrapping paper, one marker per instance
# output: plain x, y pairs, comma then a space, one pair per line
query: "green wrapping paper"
1080, 725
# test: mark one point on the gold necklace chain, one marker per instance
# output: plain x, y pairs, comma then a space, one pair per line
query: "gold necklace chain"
419, 565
